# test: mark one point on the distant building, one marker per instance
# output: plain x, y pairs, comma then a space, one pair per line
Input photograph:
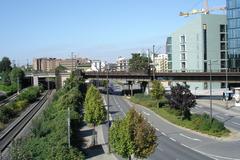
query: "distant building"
122, 64
50, 64
233, 19
97, 65
191, 47
161, 62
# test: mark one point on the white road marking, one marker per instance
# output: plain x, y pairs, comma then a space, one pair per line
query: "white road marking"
146, 113
173, 139
236, 123
220, 117
163, 133
185, 146
195, 139
157, 129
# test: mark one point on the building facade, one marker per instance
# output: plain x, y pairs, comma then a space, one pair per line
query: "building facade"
233, 20
122, 64
161, 62
192, 47
50, 64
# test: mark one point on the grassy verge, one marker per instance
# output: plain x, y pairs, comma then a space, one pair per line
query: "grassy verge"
200, 123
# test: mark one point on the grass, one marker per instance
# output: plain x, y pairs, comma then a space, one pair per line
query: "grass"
200, 123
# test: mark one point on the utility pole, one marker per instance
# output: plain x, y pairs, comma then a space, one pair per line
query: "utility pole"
72, 61
210, 67
108, 125
69, 125
153, 62
226, 85
18, 85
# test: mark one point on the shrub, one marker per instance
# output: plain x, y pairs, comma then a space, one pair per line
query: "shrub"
6, 113
31, 94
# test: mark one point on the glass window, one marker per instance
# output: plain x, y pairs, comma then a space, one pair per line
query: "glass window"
183, 65
170, 57
223, 64
222, 28
183, 49
182, 39
183, 56
223, 54
223, 46
223, 37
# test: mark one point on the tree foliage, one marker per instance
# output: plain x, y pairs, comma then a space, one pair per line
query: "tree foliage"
158, 90
182, 99
15, 74
48, 138
94, 110
5, 65
133, 135
138, 63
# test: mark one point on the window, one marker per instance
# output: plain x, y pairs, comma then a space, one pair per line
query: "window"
183, 56
223, 55
169, 65
205, 85
183, 49
222, 28
183, 65
169, 57
223, 64
182, 39
223, 46
223, 85
205, 66
223, 37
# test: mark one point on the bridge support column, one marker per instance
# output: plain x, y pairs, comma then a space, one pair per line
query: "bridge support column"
130, 87
35, 80
147, 89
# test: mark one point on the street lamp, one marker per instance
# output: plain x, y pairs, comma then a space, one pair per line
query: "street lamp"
108, 125
226, 83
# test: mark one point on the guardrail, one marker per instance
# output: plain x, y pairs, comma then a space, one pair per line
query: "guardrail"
11, 132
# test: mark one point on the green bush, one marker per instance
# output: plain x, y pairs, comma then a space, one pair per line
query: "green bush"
31, 94
7, 113
20, 105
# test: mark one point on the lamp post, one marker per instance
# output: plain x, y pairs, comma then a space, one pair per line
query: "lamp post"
108, 124
226, 83
210, 72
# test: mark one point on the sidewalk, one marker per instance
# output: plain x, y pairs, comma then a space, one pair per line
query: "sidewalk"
99, 151
221, 106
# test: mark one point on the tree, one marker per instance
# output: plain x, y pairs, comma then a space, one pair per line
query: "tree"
133, 135
94, 109
158, 90
5, 65
16, 74
182, 99
120, 138
138, 63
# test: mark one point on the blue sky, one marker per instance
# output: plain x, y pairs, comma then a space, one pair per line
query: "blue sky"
97, 29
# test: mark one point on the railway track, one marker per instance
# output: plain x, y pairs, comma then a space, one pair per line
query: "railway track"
8, 134
7, 100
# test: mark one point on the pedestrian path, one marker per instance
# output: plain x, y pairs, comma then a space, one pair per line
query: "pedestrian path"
100, 149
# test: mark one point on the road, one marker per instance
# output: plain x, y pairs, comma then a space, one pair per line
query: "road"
168, 148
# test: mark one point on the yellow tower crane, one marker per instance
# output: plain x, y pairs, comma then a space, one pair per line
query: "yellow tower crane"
204, 10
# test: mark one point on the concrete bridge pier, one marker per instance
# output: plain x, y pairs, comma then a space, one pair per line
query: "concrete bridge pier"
35, 80
130, 87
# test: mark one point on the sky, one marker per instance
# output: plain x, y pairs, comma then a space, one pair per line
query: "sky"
95, 29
